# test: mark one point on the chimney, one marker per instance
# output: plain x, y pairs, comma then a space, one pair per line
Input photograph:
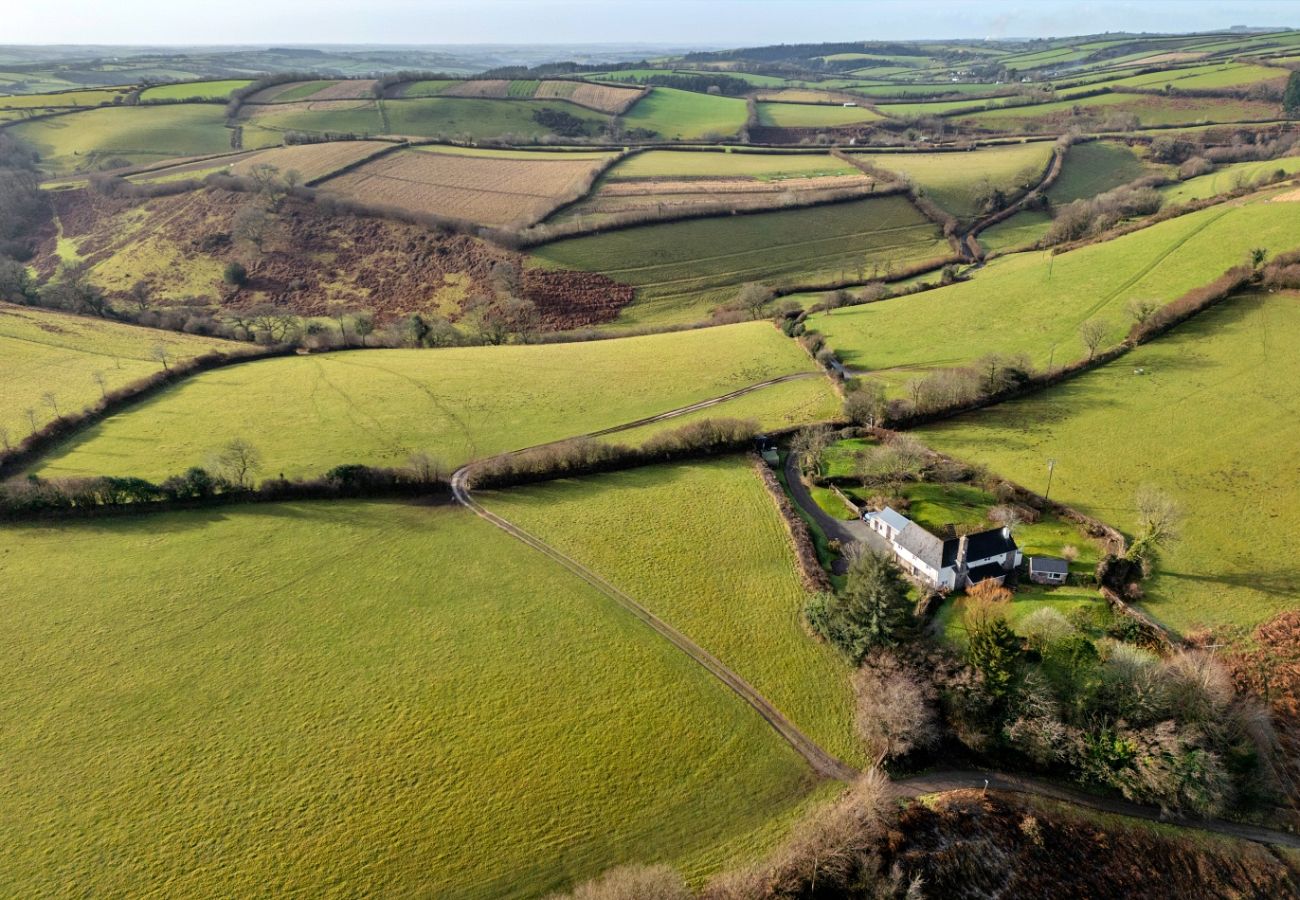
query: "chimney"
961, 553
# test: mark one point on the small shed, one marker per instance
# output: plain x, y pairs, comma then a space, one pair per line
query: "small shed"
849, 103
1048, 570
766, 448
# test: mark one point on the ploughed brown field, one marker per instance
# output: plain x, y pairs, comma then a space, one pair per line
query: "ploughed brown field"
488, 190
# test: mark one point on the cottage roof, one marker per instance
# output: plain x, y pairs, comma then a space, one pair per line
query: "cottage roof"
988, 570
993, 542
1048, 565
925, 546
941, 554
892, 518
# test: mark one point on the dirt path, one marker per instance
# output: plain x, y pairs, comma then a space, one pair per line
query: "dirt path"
953, 780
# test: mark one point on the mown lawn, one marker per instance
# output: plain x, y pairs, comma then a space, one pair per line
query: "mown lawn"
685, 115
82, 140
310, 413
1035, 302
684, 269
42, 351
333, 699
702, 546
1208, 414
956, 180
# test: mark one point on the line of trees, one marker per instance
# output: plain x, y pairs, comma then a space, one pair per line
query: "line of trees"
230, 476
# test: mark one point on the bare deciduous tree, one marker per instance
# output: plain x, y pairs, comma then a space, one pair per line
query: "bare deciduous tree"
753, 297
4, 438
426, 467
99, 379
31, 418
160, 354
238, 461
892, 713
1092, 333
52, 402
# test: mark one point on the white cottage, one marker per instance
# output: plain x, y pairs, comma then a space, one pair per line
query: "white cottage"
946, 564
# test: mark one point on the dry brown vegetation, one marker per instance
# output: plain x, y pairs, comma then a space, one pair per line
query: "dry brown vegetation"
605, 98
483, 189
317, 254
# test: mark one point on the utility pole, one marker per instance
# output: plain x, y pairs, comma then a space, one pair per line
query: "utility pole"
1051, 468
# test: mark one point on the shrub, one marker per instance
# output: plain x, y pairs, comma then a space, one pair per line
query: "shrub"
893, 710
1042, 626
632, 883
235, 274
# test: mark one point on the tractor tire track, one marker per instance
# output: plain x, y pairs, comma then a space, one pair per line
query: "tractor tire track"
822, 762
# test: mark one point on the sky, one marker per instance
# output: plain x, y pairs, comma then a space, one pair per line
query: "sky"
727, 23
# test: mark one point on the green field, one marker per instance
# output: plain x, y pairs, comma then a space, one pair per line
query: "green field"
1021, 230
323, 699
265, 124
713, 164
702, 546
1035, 302
476, 119
1205, 413
43, 351
88, 98
1208, 77
308, 414
1093, 168
427, 88
955, 180
775, 408
1228, 178
686, 116
83, 140
194, 90
683, 269
813, 115
1149, 109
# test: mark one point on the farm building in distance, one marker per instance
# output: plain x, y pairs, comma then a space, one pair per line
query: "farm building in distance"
958, 562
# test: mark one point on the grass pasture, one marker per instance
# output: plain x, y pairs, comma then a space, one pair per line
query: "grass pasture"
325, 698
1206, 413
44, 351
483, 188
1035, 302
1228, 178
814, 115
956, 180
82, 140
194, 90
308, 414
1150, 110
266, 124
88, 98
686, 116
1093, 168
682, 269
702, 546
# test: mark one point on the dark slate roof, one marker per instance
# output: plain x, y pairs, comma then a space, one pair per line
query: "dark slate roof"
994, 542
979, 573
925, 546
1048, 564
942, 554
